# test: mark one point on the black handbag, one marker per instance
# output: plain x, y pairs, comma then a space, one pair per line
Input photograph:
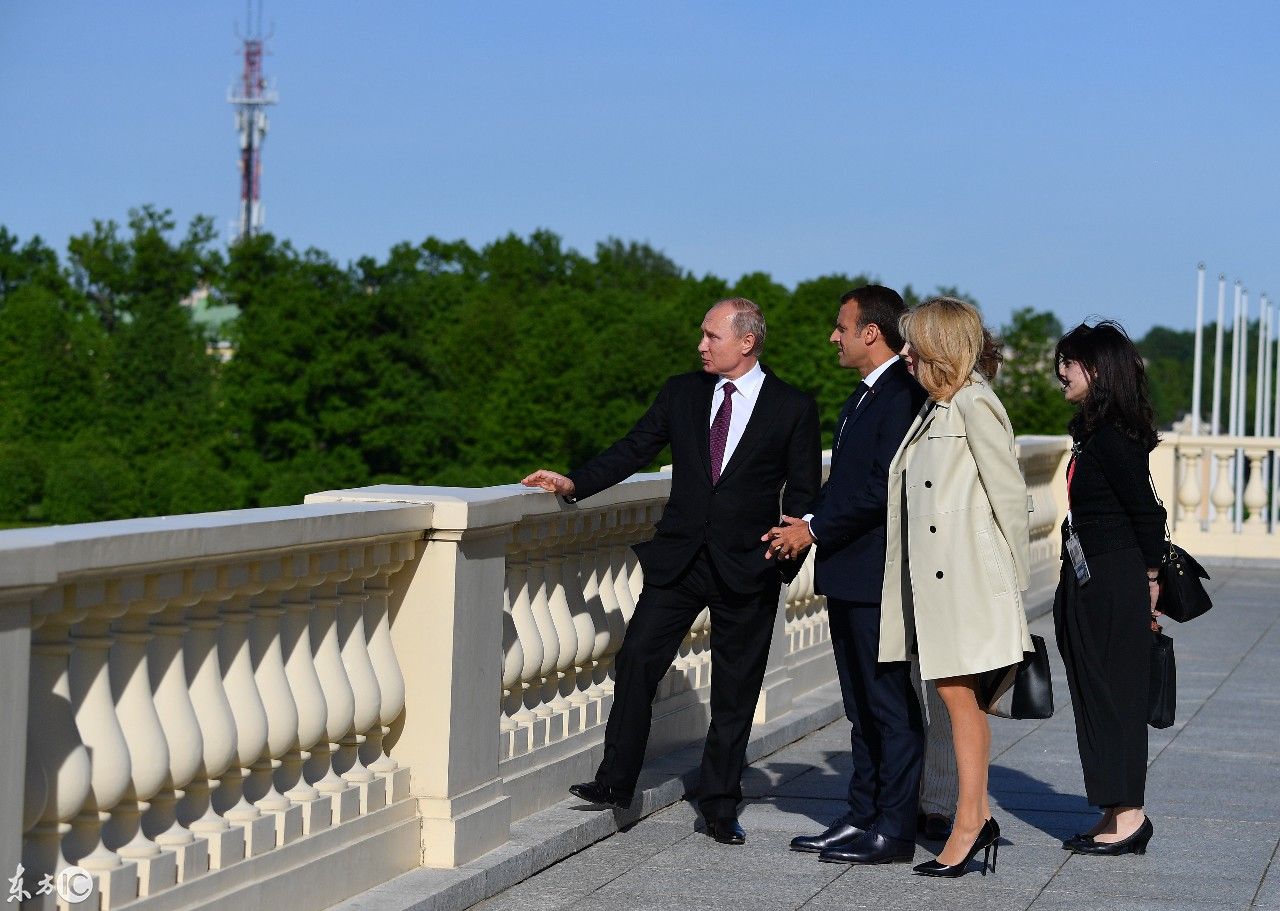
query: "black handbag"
1163, 695
1182, 594
1023, 691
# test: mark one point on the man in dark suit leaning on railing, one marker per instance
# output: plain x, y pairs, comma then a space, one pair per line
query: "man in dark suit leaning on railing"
740, 438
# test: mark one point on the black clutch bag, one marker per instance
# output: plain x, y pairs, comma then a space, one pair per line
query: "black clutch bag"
1023, 691
1163, 695
1182, 594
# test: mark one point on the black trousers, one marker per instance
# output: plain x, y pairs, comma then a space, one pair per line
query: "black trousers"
741, 629
1104, 635
887, 736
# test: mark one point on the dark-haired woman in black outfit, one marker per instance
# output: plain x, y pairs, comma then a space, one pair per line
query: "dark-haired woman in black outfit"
1104, 606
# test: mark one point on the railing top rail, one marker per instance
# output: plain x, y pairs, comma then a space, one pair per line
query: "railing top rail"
1191, 441
40, 556
462, 508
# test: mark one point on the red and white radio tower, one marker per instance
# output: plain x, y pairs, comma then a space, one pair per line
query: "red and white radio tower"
250, 98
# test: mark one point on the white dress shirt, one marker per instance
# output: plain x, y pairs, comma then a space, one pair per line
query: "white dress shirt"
746, 391
870, 380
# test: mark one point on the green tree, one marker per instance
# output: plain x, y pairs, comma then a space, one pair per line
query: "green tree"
1027, 383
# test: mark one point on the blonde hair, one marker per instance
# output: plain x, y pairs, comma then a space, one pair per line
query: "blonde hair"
947, 337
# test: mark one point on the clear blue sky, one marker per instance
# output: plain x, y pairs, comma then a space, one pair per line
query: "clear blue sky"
1079, 157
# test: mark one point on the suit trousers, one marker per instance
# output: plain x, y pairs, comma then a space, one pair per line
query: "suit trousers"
940, 783
1104, 636
887, 736
741, 630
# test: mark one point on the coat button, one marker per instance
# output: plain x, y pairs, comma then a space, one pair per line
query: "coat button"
928, 483
939, 574
933, 529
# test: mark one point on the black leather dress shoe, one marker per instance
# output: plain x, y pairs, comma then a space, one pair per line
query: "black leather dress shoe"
600, 795
840, 833
871, 848
726, 830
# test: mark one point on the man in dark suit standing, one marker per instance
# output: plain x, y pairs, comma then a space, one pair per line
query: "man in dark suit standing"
848, 525
739, 438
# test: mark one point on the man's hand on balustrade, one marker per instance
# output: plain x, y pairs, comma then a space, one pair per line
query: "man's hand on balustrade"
551, 481
788, 540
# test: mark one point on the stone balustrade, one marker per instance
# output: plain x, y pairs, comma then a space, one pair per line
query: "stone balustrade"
199, 706
1221, 493
197, 702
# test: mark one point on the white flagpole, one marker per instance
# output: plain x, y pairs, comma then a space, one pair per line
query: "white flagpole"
1257, 372
1242, 413
1263, 419
1198, 368
1261, 384
1234, 395
1217, 357
1275, 431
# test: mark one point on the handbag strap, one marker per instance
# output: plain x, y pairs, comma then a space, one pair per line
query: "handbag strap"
1168, 534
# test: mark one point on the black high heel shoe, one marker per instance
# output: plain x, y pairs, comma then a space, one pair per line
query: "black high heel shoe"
1134, 844
988, 838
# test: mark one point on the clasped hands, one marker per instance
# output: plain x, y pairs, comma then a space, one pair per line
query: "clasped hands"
788, 540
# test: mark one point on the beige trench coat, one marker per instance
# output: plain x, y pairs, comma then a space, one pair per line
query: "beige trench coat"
958, 550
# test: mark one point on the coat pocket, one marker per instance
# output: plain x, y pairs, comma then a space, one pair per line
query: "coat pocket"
998, 575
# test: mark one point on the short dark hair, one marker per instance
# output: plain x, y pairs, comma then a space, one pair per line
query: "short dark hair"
1118, 391
881, 307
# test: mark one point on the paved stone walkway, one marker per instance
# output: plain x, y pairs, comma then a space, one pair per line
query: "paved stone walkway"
1213, 795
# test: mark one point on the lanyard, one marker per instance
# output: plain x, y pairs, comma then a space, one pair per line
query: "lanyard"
1071, 473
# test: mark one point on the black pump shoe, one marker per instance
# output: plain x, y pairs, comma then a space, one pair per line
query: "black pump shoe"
988, 838
1134, 844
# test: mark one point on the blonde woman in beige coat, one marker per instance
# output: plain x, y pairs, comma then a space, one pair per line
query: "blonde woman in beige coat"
958, 553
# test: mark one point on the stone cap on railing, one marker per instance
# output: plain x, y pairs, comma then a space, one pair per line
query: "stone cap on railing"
34, 557
460, 508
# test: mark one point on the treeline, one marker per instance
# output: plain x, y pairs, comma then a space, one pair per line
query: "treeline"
441, 364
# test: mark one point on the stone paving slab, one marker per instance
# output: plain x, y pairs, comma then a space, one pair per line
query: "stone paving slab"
1213, 796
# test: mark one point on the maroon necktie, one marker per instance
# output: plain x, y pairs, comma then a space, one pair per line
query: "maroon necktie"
720, 432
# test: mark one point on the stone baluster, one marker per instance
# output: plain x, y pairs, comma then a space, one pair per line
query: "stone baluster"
512, 665
566, 631
589, 622
250, 715
217, 733
266, 634
620, 556
641, 529
701, 657
1223, 496
531, 647
148, 747
1255, 494
308, 699
365, 691
103, 737
377, 621
1189, 489
177, 714
587, 568
604, 573
598, 563
792, 618
538, 602
340, 703
58, 776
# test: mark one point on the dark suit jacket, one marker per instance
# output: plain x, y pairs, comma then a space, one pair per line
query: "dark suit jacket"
849, 518
779, 447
